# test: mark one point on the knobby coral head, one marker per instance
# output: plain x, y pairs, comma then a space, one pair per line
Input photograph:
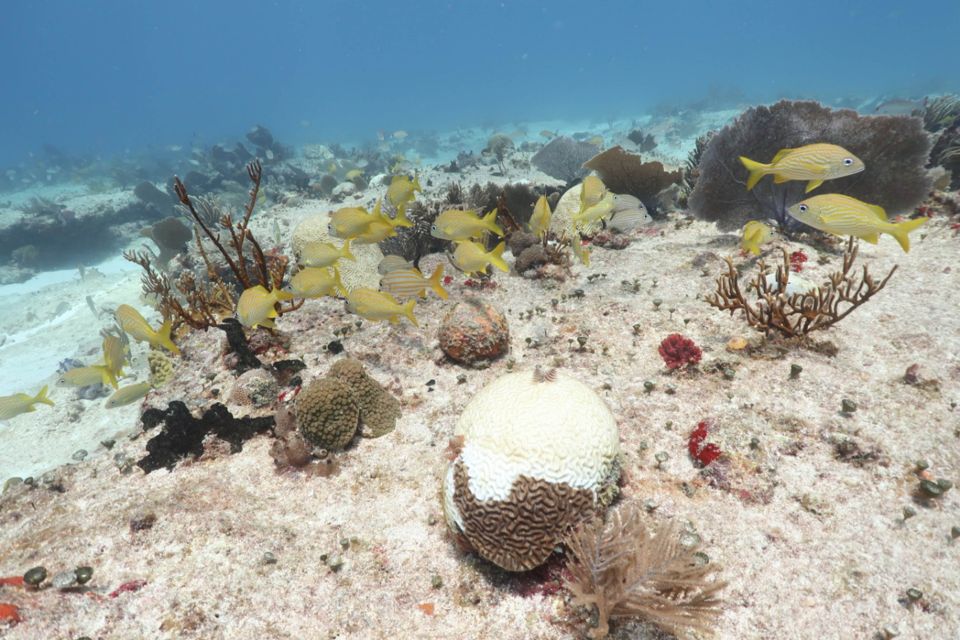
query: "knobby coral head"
679, 351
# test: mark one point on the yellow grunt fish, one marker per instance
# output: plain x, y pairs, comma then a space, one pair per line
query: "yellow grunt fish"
128, 394
845, 216
375, 232
257, 306
755, 233
391, 263
377, 305
12, 406
470, 257
316, 282
455, 224
325, 254
403, 190
348, 222
86, 376
114, 354
813, 162
408, 283
594, 213
540, 220
592, 191
137, 328
353, 174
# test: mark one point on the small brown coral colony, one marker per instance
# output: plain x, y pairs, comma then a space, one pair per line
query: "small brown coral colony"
474, 332
330, 409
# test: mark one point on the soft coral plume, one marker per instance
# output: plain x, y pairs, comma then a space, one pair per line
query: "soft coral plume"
678, 351
627, 570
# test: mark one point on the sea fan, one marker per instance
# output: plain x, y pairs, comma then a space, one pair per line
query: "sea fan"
626, 571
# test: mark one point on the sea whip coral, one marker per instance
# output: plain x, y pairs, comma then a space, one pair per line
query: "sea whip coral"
678, 351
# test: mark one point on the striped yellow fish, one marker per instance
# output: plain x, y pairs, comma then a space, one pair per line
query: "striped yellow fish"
324, 254
377, 305
403, 190
755, 233
813, 162
350, 221
12, 406
137, 328
595, 212
410, 283
86, 376
257, 306
540, 220
592, 191
128, 394
391, 263
845, 216
316, 282
471, 258
114, 354
454, 224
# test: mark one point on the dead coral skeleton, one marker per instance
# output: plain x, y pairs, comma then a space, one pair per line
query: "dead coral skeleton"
798, 314
202, 304
626, 570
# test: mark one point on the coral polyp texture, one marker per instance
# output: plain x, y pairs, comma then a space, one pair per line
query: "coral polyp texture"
536, 453
678, 351
331, 409
474, 333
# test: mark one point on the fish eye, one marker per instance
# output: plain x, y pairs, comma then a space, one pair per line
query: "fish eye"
847, 162
803, 208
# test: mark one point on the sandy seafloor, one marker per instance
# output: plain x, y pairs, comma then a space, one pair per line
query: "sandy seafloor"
812, 546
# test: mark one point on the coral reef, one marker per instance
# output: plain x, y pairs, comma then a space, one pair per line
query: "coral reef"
474, 333
679, 351
627, 173
379, 411
535, 451
776, 310
893, 148
563, 158
498, 146
355, 274
183, 435
644, 141
626, 570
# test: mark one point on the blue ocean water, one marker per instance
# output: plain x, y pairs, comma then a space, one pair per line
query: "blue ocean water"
107, 76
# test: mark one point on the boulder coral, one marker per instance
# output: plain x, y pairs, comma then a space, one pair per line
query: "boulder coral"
537, 453
474, 333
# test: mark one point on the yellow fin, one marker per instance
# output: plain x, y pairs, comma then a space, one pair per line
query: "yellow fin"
778, 179
436, 283
779, 155
813, 184
163, 338
496, 258
901, 229
757, 170
872, 238
42, 397
408, 312
878, 211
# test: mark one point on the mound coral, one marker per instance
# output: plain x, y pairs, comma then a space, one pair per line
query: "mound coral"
331, 409
474, 333
537, 453
678, 351
777, 310
355, 274
893, 148
627, 173
626, 570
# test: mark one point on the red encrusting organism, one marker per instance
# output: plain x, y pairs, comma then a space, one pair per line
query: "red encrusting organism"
704, 455
678, 351
10, 613
133, 585
797, 258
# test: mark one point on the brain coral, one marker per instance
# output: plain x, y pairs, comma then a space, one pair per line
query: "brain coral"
327, 414
537, 451
361, 273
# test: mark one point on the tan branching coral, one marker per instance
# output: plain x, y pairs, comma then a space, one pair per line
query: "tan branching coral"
796, 315
626, 570
202, 304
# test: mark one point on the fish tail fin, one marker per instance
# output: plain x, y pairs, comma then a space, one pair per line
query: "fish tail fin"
757, 170
281, 295
339, 282
345, 251
408, 311
42, 398
107, 377
901, 229
401, 220
490, 223
163, 337
436, 282
496, 257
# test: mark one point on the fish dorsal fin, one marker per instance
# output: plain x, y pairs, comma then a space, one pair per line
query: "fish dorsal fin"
780, 154
872, 238
878, 211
